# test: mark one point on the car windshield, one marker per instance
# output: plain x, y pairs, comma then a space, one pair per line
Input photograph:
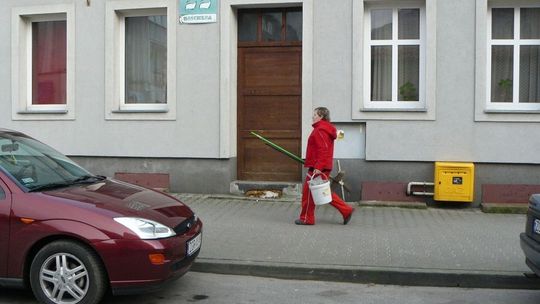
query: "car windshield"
35, 165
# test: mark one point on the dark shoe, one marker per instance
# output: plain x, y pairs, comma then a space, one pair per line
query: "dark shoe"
348, 218
300, 222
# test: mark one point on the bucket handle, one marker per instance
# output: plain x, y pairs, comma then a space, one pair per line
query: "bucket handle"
313, 175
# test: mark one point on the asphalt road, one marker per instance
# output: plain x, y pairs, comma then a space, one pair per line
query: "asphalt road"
213, 288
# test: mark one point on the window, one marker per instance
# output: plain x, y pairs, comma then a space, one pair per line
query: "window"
49, 63
394, 60
269, 25
513, 58
145, 60
43, 52
34, 164
140, 60
394, 77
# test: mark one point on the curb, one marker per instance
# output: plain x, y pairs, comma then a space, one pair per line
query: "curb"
370, 275
512, 208
408, 205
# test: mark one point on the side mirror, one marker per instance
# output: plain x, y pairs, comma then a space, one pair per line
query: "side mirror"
10, 147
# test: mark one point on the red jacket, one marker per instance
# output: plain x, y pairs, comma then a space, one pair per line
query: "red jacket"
320, 146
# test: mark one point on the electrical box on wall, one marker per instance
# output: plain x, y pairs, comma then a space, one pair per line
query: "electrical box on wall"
454, 182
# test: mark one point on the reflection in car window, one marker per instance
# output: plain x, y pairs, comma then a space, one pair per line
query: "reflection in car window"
34, 164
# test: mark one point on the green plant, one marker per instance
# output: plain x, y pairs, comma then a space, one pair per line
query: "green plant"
408, 92
505, 86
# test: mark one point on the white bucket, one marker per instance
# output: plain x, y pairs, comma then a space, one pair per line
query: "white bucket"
320, 190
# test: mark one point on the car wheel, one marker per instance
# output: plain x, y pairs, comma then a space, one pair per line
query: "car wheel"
68, 273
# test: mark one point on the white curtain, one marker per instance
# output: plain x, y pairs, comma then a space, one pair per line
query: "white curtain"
529, 69
381, 73
146, 59
502, 77
381, 56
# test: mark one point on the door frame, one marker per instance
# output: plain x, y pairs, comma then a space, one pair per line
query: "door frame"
285, 95
228, 68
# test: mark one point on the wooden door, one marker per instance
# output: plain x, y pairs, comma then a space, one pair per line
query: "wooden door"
269, 92
269, 103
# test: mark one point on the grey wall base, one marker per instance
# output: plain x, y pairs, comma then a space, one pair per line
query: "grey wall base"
186, 175
216, 175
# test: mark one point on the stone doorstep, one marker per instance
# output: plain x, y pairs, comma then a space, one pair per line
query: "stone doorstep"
517, 208
288, 189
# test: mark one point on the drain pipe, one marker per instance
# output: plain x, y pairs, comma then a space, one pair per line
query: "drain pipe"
424, 193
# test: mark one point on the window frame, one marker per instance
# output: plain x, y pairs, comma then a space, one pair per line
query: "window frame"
516, 43
359, 110
394, 43
22, 19
116, 107
482, 110
259, 39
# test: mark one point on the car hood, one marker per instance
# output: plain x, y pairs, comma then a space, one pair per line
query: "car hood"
114, 198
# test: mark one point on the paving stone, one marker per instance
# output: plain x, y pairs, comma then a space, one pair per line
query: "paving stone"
434, 239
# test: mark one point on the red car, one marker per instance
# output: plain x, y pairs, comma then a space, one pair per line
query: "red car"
71, 235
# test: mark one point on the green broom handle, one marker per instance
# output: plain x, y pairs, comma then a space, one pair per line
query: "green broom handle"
278, 148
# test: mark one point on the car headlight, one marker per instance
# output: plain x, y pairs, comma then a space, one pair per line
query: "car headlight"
146, 229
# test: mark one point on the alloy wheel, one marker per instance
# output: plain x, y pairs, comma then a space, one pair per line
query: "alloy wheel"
64, 278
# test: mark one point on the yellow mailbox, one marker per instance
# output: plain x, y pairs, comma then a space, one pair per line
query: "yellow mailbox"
454, 182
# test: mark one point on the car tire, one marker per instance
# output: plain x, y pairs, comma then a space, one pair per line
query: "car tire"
67, 272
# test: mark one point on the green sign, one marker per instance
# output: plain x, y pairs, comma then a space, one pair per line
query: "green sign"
198, 11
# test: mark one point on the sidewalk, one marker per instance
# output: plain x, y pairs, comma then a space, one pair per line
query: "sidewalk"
429, 247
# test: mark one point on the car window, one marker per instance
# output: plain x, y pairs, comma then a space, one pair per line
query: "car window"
34, 164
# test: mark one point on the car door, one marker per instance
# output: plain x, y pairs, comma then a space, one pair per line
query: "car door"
5, 207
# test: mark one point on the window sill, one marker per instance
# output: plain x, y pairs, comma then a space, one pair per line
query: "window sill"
140, 111
393, 110
505, 111
43, 112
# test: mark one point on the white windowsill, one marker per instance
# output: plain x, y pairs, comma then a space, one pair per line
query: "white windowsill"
43, 112
141, 111
393, 110
502, 111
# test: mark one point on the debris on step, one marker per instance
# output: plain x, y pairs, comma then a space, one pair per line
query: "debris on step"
264, 193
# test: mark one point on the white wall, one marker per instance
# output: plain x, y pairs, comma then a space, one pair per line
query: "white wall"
453, 133
194, 133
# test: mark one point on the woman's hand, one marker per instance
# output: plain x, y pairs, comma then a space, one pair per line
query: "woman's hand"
317, 171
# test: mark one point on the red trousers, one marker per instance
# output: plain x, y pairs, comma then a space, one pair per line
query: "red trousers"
307, 215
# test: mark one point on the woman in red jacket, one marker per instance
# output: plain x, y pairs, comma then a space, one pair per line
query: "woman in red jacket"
319, 159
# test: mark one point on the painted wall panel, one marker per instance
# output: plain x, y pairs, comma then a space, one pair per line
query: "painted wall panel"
195, 132
454, 135
332, 62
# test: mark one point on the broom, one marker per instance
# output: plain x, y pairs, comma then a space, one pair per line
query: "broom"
338, 179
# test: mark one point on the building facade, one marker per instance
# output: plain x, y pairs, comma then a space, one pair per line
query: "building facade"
123, 86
